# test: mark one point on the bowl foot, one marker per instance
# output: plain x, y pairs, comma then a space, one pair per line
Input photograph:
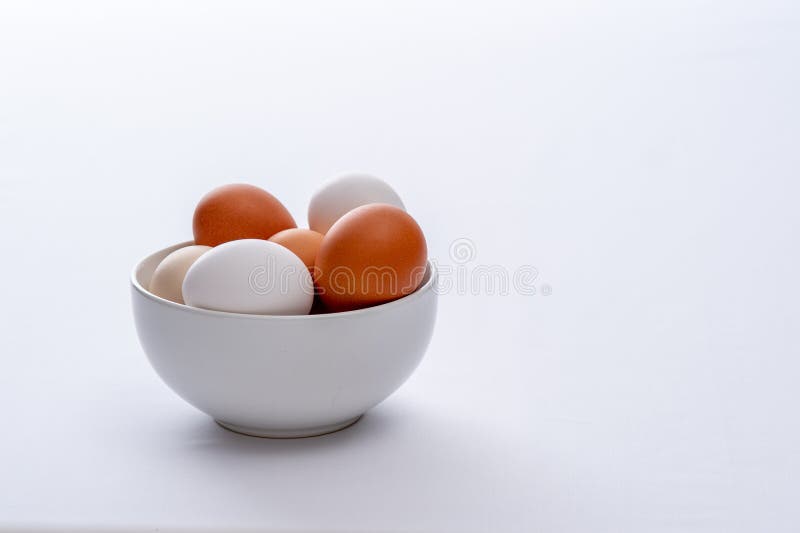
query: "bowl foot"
288, 433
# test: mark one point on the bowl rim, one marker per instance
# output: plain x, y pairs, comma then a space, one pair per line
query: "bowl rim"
405, 300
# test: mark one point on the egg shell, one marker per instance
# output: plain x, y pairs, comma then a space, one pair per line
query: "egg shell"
238, 211
167, 279
250, 276
343, 194
373, 254
303, 242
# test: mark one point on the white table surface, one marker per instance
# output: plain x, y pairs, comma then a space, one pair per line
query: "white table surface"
644, 158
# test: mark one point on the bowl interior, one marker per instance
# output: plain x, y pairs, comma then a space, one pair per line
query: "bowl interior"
143, 272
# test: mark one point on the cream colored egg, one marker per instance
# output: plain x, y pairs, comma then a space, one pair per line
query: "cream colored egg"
167, 279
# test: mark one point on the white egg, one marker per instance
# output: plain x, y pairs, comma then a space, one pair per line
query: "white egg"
344, 193
250, 276
168, 276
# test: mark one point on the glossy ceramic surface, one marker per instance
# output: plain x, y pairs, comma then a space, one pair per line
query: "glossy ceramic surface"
282, 376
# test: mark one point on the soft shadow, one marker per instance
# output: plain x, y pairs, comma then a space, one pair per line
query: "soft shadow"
203, 433
401, 450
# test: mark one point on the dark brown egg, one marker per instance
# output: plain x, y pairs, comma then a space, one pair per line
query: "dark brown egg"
303, 242
373, 254
238, 211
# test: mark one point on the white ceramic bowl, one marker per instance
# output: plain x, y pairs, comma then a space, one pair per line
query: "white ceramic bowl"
282, 376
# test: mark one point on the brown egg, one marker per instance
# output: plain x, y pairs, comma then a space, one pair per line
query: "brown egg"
303, 242
373, 254
238, 211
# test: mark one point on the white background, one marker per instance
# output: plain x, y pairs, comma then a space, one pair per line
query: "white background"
643, 156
